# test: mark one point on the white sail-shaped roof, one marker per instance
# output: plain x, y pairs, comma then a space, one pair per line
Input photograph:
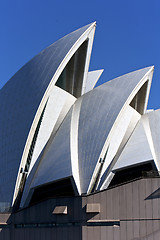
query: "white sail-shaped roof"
60, 136
83, 134
100, 110
24, 98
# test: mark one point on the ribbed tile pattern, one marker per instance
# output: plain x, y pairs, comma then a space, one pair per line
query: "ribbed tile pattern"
20, 99
99, 110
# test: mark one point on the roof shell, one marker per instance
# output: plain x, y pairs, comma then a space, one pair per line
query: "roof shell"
97, 112
20, 99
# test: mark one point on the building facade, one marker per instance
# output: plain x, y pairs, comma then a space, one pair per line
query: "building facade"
78, 162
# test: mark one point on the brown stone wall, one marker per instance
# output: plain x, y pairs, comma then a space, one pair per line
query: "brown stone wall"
127, 212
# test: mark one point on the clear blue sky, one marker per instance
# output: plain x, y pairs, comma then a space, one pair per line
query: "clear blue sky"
127, 35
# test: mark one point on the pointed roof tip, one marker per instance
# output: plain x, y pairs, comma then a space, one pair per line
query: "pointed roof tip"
145, 69
97, 70
142, 72
92, 24
85, 28
151, 67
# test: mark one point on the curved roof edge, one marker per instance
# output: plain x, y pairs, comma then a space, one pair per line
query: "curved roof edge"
73, 125
144, 75
85, 35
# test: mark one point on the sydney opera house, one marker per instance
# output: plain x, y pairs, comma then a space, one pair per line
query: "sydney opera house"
78, 161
